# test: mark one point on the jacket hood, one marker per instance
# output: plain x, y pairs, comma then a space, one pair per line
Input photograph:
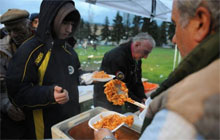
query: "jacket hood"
48, 11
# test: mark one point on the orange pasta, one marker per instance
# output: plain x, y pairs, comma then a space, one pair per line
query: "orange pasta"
100, 74
129, 120
112, 121
117, 92
149, 86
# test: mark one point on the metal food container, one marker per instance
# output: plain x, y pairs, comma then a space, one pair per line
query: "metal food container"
77, 127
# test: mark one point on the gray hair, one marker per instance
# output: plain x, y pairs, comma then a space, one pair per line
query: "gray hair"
25, 23
144, 36
187, 9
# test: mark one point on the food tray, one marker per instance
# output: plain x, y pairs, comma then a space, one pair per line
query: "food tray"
123, 133
77, 127
104, 79
104, 114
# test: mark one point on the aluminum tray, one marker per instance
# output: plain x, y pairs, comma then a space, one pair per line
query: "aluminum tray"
64, 129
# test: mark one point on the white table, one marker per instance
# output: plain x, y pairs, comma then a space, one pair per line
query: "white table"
85, 93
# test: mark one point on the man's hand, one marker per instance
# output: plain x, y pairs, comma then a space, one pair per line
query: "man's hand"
86, 78
102, 133
61, 95
143, 102
14, 113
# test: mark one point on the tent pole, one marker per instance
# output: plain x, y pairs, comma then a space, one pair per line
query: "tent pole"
179, 58
153, 9
174, 59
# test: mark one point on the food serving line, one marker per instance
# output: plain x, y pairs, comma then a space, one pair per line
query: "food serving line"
80, 126
77, 127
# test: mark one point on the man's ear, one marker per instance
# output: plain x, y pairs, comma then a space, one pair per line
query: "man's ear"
137, 43
203, 18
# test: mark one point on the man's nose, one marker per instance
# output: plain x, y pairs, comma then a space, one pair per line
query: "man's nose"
12, 34
174, 39
69, 28
145, 56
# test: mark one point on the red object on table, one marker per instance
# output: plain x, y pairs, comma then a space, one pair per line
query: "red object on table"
149, 86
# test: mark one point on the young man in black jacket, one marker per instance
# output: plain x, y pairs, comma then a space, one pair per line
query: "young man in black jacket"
125, 62
43, 75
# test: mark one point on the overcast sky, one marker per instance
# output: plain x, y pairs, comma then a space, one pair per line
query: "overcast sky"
89, 12
97, 13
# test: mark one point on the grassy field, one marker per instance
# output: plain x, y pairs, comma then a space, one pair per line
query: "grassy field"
155, 68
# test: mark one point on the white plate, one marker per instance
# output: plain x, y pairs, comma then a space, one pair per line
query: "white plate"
104, 79
104, 114
144, 79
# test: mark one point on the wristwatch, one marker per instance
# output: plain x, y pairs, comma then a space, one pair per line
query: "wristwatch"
109, 138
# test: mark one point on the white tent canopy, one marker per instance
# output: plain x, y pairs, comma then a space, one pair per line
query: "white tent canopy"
156, 9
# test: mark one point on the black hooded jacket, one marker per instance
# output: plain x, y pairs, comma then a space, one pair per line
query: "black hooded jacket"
39, 64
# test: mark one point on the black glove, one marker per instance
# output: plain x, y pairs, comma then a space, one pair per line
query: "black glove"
14, 113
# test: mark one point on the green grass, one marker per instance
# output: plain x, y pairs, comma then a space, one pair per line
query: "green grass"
158, 65
94, 63
155, 68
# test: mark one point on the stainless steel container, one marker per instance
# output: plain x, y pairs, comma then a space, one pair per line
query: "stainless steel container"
78, 126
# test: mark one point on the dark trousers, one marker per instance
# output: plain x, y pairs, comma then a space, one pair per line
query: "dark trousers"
11, 129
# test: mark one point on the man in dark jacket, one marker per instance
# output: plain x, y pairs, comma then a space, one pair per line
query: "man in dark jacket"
125, 62
17, 29
43, 75
186, 106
